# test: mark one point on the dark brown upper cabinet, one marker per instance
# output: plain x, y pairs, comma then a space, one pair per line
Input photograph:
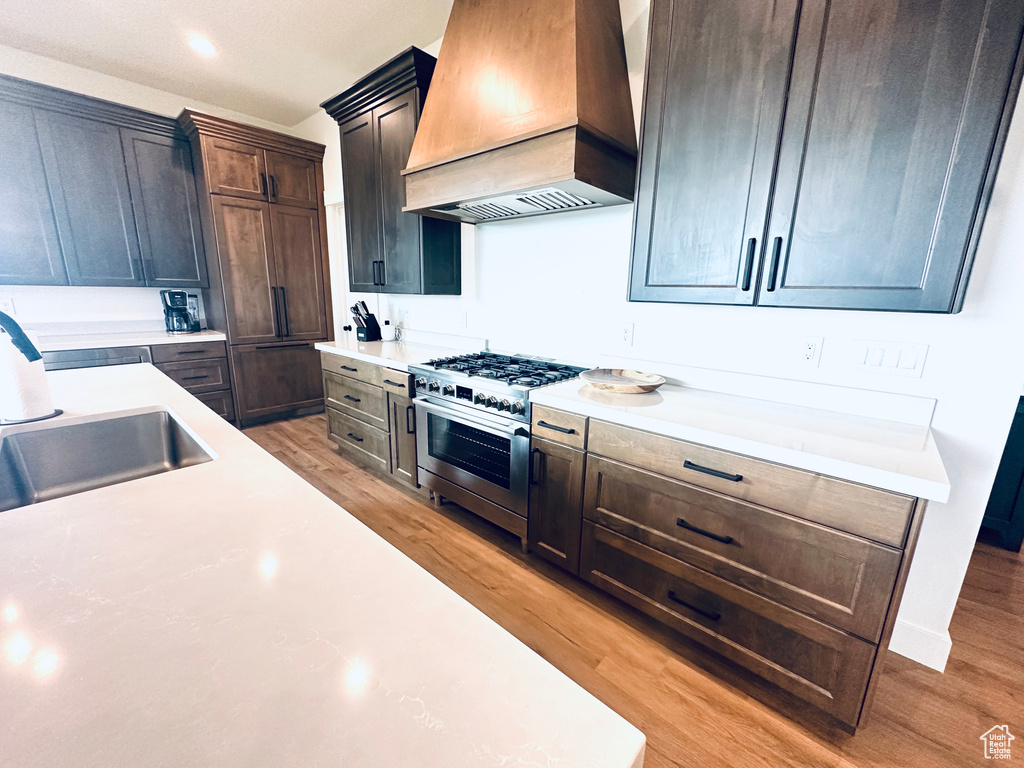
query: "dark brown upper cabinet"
94, 193
88, 186
29, 248
240, 169
821, 154
390, 251
166, 209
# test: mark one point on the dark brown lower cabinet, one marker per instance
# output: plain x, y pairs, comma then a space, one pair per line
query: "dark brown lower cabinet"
274, 380
556, 497
403, 438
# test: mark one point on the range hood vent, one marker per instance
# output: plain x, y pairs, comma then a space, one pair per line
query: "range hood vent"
528, 113
547, 200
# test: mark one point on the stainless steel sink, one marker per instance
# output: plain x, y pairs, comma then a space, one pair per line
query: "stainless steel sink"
38, 463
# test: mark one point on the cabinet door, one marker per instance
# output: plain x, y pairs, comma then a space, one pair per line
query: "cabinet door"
713, 104
403, 438
88, 186
395, 127
29, 249
235, 169
272, 379
302, 307
556, 503
893, 116
362, 202
163, 190
247, 268
292, 180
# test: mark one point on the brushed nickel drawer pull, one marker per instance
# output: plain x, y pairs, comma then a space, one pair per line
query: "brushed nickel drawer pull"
357, 439
713, 615
683, 524
563, 430
346, 368
713, 472
353, 399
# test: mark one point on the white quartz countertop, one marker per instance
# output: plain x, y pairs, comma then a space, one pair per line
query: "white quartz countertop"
394, 354
228, 614
885, 454
123, 339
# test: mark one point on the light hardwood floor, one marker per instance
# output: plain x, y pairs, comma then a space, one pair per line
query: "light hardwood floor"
653, 679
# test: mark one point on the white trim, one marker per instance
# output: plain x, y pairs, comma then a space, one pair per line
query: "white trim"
921, 645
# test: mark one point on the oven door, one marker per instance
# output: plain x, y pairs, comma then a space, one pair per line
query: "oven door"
484, 454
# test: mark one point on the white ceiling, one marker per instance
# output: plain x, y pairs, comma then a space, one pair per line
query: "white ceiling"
277, 60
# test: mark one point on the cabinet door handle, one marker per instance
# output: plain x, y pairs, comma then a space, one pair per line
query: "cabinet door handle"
394, 383
409, 430
773, 271
536, 466
687, 464
276, 311
563, 430
355, 437
273, 188
263, 184
713, 615
346, 368
284, 310
194, 378
353, 399
294, 344
376, 280
383, 273
683, 524
190, 352
748, 267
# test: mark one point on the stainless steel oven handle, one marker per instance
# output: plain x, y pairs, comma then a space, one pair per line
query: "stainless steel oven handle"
512, 430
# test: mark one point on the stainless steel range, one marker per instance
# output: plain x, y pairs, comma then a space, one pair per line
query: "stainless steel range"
473, 430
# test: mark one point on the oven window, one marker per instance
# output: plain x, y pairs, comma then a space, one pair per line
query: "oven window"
470, 449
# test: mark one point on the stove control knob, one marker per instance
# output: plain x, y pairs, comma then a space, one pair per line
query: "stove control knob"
492, 402
504, 405
421, 383
434, 386
517, 407
448, 390
480, 398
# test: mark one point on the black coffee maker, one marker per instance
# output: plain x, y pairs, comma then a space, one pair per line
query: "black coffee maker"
181, 311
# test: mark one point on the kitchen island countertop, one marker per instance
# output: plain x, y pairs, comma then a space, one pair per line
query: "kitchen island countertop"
229, 614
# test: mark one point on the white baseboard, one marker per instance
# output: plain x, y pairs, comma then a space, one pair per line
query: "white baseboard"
920, 644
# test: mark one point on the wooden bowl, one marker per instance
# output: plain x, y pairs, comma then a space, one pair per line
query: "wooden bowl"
621, 380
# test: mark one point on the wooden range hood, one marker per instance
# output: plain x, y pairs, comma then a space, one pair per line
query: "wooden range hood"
528, 112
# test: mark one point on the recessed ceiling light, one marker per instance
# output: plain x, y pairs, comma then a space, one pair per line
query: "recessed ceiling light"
202, 46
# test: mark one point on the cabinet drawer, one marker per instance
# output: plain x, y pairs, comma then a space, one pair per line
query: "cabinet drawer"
199, 375
874, 514
352, 368
220, 403
175, 353
397, 382
559, 426
842, 579
814, 661
357, 399
359, 439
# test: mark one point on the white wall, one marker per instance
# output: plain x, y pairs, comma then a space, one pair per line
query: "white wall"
556, 286
48, 307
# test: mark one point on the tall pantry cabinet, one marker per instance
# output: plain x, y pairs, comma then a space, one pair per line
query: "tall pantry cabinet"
264, 216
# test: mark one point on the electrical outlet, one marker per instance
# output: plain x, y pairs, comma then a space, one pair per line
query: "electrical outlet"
626, 334
7, 305
810, 350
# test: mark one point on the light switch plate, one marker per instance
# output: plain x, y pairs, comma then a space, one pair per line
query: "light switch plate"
889, 358
7, 305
